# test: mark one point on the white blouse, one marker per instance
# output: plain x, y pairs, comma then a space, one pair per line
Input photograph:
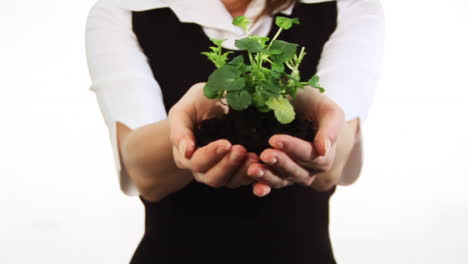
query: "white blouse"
128, 93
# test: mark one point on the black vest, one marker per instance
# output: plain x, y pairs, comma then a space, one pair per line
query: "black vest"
200, 224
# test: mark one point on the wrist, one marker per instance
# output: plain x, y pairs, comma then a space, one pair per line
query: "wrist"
146, 155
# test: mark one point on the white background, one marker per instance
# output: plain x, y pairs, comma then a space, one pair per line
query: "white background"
59, 197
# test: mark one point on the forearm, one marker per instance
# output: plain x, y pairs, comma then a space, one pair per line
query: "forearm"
344, 145
146, 154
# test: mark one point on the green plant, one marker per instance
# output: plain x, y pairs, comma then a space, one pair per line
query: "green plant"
268, 80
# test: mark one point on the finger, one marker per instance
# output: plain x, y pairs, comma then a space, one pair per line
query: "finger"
330, 118
181, 125
240, 177
322, 163
296, 148
286, 167
261, 190
222, 172
263, 174
206, 157
302, 152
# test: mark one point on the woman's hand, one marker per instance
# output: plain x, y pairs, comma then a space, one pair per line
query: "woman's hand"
216, 164
295, 161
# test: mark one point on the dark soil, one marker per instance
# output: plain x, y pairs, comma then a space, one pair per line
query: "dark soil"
251, 129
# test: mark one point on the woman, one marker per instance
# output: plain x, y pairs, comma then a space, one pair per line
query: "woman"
148, 77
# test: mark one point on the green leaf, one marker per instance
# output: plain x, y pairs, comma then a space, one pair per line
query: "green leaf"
237, 61
242, 22
284, 111
216, 56
282, 51
273, 85
264, 109
261, 40
285, 22
217, 42
258, 100
224, 57
277, 67
218, 59
276, 74
314, 81
239, 100
226, 78
249, 44
215, 49
212, 56
210, 92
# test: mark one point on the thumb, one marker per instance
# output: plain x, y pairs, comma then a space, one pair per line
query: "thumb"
181, 125
330, 122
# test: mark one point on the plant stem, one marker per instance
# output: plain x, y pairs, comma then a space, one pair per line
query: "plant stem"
290, 66
301, 56
258, 58
251, 58
271, 42
274, 38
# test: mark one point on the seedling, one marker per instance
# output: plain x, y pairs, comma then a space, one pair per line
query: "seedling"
267, 78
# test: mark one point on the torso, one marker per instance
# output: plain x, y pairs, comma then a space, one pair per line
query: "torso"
200, 224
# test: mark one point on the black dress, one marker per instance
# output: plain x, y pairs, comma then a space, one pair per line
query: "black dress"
203, 225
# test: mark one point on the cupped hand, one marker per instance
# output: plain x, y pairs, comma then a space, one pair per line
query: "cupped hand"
216, 164
295, 161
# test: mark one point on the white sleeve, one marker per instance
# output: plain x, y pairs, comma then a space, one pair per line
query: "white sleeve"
121, 77
350, 64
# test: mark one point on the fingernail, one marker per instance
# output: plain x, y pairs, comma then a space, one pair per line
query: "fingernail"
279, 145
327, 146
272, 161
221, 150
182, 146
261, 191
265, 191
260, 173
